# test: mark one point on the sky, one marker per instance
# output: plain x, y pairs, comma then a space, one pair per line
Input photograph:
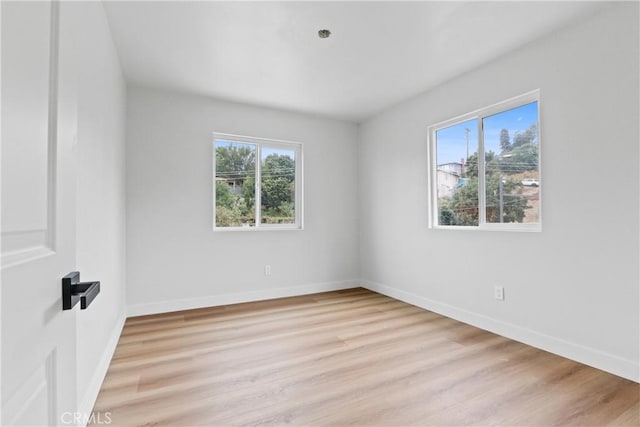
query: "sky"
266, 150
451, 141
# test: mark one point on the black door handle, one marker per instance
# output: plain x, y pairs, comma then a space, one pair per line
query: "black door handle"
73, 291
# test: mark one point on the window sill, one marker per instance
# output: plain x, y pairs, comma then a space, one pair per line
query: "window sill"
263, 228
529, 228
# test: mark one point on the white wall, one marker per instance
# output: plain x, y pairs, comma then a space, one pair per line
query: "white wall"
571, 289
100, 198
175, 260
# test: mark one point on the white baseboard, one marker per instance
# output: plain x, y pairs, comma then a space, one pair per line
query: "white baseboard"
235, 298
89, 399
589, 356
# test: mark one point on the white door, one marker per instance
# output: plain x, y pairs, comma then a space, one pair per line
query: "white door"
38, 213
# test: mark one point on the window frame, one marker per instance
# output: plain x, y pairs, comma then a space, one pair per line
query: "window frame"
479, 115
260, 143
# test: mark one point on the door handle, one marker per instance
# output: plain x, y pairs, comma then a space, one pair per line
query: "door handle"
73, 291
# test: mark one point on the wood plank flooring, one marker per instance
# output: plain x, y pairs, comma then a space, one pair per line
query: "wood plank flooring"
350, 357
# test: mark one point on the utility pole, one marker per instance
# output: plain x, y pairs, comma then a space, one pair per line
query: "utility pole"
501, 186
466, 161
467, 130
500, 191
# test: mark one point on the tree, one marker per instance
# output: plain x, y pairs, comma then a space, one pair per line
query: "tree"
472, 163
279, 165
465, 203
528, 136
235, 161
227, 209
462, 208
505, 140
513, 204
224, 196
236, 189
249, 195
446, 214
227, 217
235, 165
278, 187
523, 158
275, 191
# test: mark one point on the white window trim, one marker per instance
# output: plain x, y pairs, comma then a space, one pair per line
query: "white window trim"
480, 114
260, 142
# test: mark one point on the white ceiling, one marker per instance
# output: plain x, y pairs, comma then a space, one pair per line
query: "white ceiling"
269, 53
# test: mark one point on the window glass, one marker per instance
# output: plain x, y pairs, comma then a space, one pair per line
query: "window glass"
502, 191
235, 184
258, 183
278, 182
457, 173
512, 177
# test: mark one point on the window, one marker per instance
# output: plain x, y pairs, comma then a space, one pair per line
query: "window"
502, 191
257, 183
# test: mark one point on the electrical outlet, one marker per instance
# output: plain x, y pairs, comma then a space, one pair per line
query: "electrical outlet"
267, 270
498, 293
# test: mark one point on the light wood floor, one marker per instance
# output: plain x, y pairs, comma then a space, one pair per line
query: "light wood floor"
350, 357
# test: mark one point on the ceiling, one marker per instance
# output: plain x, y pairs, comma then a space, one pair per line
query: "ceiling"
269, 53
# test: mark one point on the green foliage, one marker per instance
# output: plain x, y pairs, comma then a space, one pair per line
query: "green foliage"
235, 166
278, 186
278, 166
230, 210
236, 161
464, 203
226, 217
275, 191
224, 196
462, 207
286, 209
249, 195
235, 186
522, 155
513, 204
527, 137
471, 168
516, 157
523, 158
447, 216
472, 163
